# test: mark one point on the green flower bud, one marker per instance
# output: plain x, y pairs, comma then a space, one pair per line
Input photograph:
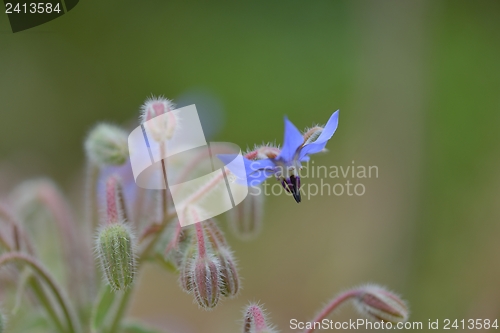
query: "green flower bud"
115, 247
107, 144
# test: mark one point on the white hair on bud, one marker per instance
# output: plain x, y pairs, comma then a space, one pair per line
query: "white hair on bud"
391, 307
249, 327
168, 105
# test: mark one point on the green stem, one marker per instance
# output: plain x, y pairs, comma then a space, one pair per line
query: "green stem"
115, 325
51, 283
47, 304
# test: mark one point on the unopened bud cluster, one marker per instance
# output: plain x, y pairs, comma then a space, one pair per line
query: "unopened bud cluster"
207, 268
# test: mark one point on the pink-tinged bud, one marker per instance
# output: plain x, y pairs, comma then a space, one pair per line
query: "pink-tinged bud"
379, 304
229, 273
255, 320
372, 301
183, 258
206, 281
156, 116
185, 276
206, 276
245, 220
107, 144
263, 152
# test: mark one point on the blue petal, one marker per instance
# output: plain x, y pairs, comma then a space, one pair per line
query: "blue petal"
292, 141
258, 165
253, 173
258, 177
326, 134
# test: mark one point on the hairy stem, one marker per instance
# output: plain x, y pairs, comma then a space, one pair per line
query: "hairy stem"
42, 272
115, 324
200, 237
334, 304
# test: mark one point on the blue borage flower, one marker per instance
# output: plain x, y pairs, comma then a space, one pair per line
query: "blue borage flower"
284, 164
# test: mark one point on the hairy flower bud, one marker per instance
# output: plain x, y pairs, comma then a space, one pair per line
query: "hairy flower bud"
255, 320
205, 274
156, 117
312, 134
187, 250
206, 281
107, 144
115, 248
229, 273
245, 220
185, 276
261, 152
379, 304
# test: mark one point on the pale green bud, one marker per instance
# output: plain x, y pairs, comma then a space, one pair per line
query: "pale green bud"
107, 144
115, 247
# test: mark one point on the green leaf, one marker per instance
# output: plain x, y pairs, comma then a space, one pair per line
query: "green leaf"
102, 308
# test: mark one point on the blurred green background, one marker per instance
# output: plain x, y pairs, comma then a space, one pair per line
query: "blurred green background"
418, 85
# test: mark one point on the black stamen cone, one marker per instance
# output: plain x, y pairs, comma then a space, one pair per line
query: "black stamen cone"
292, 185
